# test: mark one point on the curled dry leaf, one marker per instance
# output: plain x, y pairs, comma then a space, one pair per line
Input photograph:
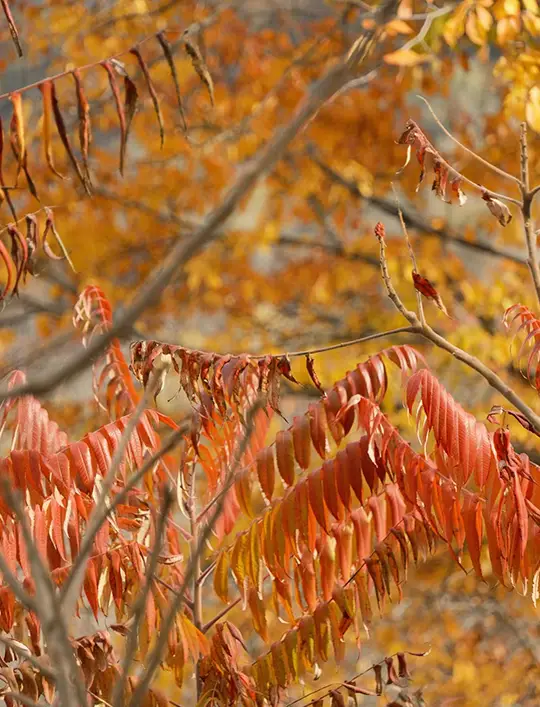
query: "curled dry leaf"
45, 89
426, 288
126, 110
62, 131
496, 410
310, 365
194, 53
12, 27
167, 51
497, 208
152, 91
51, 227
83, 111
4, 192
18, 141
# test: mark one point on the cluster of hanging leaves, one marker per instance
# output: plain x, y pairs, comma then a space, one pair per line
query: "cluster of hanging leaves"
99, 664
529, 328
221, 390
447, 181
126, 103
21, 253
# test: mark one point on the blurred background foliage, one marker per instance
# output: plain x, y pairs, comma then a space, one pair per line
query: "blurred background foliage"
297, 267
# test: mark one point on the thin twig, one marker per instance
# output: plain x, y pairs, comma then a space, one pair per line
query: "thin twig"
494, 168
528, 225
117, 699
414, 220
412, 256
71, 588
16, 587
168, 620
208, 625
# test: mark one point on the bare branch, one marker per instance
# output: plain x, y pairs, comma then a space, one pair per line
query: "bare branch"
412, 256
22, 699
71, 588
117, 699
208, 625
530, 232
167, 623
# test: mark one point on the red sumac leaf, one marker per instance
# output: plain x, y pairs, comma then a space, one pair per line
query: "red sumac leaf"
285, 456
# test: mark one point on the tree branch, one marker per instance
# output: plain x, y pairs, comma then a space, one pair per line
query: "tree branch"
167, 623
527, 195
117, 699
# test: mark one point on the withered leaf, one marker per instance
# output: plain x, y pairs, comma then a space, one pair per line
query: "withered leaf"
61, 127
18, 141
426, 288
498, 209
167, 51
85, 132
199, 65
51, 227
125, 111
12, 27
152, 91
45, 89
519, 416
310, 365
4, 192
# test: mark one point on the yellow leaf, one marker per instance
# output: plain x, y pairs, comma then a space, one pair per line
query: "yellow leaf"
532, 110
406, 57
455, 27
531, 23
507, 29
485, 18
398, 27
475, 32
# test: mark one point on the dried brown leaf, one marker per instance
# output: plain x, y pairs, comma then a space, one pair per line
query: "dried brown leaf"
45, 89
167, 51
200, 66
151, 91
85, 132
61, 127
12, 27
